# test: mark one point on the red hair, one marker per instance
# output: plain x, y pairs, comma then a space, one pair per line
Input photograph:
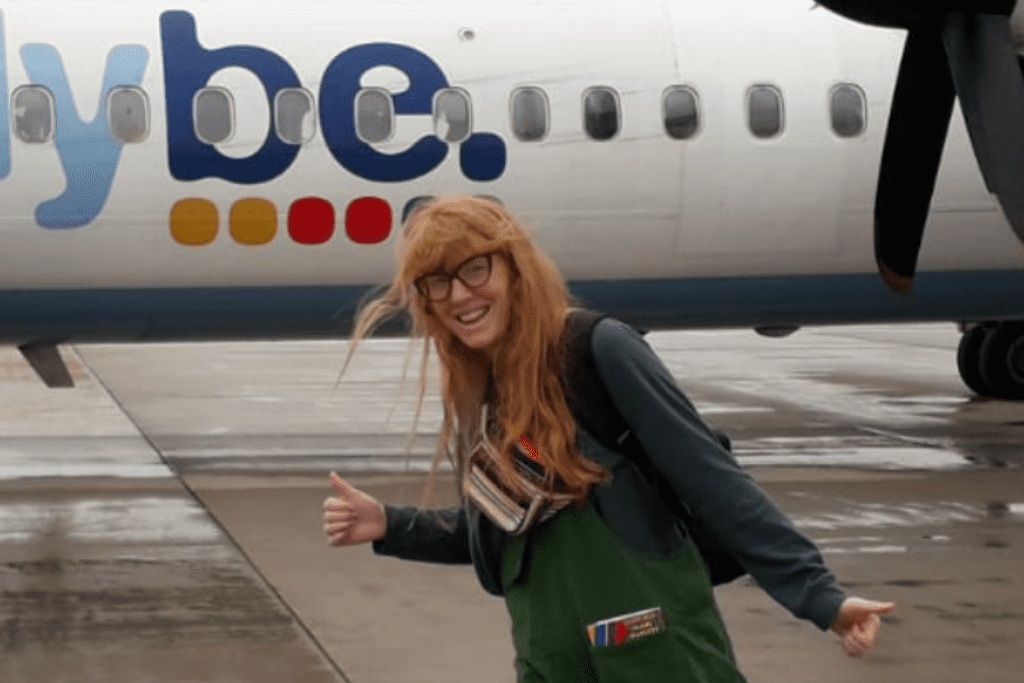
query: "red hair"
525, 364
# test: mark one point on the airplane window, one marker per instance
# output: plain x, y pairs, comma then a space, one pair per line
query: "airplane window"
601, 113
213, 115
452, 115
293, 115
764, 111
375, 115
34, 118
682, 117
128, 114
529, 114
848, 111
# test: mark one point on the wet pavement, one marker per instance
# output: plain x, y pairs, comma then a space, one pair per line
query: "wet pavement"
136, 583
110, 569
161, 521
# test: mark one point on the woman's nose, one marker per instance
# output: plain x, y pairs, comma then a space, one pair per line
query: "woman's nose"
459, 290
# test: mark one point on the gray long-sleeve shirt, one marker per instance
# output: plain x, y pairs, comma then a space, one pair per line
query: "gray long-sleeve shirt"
686, 454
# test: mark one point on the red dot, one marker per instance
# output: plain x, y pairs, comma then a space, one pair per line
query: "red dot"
368, 220
311, 220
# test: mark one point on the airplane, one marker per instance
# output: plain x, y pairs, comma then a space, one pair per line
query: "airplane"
240, 170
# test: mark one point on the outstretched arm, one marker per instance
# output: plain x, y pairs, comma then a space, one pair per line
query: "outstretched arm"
352, 516
686, 452
691, 459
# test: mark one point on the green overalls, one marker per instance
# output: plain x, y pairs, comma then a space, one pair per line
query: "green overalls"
573, 571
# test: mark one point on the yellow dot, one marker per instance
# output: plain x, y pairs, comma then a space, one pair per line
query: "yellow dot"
194, 222
253, 221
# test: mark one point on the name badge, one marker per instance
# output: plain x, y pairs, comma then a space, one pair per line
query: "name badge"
626, 628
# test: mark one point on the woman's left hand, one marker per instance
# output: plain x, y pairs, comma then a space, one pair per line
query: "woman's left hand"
858, 622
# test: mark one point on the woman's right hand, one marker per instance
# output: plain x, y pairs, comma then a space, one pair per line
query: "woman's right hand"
858, 621
351, 516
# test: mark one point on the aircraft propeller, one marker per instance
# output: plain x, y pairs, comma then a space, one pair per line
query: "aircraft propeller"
955, 48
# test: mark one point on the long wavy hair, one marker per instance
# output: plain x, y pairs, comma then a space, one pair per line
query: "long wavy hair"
525, 366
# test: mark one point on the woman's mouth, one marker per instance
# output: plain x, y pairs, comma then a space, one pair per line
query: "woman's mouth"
473, 316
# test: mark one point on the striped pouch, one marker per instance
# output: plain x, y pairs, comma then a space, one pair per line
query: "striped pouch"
507, 509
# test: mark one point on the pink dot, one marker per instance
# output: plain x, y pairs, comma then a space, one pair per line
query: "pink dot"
311, 220
368, 220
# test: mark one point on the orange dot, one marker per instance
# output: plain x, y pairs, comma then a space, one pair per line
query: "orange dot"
253, 221
194, 222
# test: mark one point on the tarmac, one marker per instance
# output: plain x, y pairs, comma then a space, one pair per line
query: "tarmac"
161, 521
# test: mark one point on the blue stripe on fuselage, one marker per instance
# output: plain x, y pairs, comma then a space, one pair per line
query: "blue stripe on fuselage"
326, 311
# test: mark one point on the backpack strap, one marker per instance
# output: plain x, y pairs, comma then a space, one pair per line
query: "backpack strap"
585, 394
594, 410
592, 406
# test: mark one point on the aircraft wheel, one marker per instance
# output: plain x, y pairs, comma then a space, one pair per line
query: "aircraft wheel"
968, 359
1002, 360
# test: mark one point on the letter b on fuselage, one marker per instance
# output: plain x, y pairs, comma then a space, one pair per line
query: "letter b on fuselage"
187, 69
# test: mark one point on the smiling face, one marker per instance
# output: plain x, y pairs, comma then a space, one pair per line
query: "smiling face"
478, 316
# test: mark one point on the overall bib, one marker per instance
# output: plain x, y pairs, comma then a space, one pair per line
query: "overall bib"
574, 571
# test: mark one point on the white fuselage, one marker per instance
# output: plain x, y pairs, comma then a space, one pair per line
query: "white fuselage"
83, 211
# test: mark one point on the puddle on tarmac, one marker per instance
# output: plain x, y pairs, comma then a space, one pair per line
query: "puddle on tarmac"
888, 516
909, 458
730, 408
146, 520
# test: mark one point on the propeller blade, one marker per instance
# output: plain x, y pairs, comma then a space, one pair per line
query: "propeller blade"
990, 85
918, 123
954, 48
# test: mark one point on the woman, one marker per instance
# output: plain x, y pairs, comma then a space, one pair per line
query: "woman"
600, 579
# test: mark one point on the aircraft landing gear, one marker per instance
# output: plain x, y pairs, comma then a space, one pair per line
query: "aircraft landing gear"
991, 359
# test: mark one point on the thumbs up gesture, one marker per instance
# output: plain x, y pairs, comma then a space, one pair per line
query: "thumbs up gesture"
351, 516
858, 622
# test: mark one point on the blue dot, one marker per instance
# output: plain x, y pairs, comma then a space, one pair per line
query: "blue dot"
412, 205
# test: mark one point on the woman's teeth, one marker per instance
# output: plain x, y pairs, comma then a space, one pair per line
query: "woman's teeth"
472, 316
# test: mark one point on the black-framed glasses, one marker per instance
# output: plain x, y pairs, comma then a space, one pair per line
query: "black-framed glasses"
473, 272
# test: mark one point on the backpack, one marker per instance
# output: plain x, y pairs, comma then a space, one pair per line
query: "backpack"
592, 408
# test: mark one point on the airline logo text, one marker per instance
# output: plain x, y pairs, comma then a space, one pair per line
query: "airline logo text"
89, 153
